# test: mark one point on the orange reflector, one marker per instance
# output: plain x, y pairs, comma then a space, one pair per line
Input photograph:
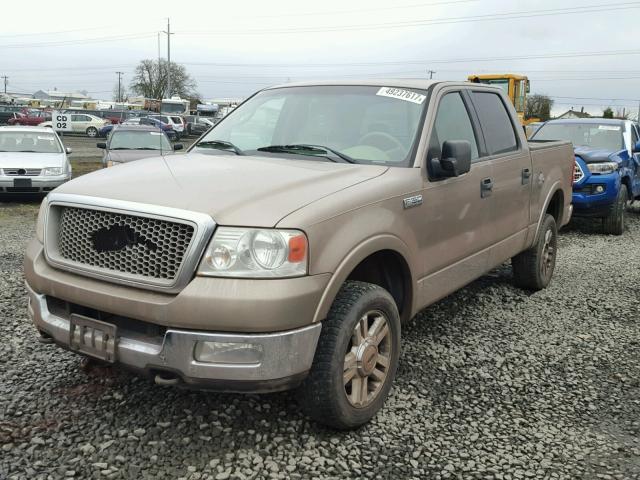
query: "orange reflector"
297, 248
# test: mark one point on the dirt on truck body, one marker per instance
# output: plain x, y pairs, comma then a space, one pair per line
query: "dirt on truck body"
289, 244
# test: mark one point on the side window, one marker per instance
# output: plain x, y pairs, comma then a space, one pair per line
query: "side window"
634, 136
499, 134
76, 118
453, 123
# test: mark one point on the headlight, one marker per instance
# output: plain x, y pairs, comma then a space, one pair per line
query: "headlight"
255, 253
604, 167
51, 171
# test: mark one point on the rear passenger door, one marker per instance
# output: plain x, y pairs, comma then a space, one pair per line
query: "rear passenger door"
511, 177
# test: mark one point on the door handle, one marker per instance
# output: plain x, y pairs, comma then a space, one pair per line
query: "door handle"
526, 175
486, 186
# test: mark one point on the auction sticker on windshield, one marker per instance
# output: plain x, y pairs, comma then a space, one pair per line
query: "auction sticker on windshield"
609, 127
402, 94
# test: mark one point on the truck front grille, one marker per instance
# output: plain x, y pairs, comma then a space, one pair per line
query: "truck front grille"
126, 244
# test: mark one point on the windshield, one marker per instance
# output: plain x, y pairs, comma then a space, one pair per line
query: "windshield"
365, 123
29, 142
172, 107
131, 140
602, 136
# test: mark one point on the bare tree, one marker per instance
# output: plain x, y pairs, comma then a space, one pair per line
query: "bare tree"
150, 80
539, 106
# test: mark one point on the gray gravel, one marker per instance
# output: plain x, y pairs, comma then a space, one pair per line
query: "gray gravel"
493, 383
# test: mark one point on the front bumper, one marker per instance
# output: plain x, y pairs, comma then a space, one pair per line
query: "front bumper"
39, 184
589, 204
170, 357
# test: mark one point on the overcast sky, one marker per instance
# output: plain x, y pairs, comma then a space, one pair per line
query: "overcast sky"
582, 53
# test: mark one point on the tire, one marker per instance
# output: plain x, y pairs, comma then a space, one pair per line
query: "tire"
533, 268
92, 132
614, 223
324, 395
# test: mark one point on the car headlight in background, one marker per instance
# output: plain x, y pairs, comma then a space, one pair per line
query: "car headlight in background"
604, 167
255, 253
51, 171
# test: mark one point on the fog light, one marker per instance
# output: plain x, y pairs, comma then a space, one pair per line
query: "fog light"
599, 189
228, 352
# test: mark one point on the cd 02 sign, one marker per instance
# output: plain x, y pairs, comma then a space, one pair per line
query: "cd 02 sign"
61, 121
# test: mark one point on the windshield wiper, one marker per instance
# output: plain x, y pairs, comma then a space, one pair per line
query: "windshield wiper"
220, 145
301, 148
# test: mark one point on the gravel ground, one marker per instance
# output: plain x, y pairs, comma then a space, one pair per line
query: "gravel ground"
493, 383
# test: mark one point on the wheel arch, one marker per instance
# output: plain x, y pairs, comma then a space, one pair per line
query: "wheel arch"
360, 264
553, 204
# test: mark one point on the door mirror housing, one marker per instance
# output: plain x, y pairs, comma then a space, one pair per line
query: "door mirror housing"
68, 150
178, 146
101, 145
636, 147
455, 159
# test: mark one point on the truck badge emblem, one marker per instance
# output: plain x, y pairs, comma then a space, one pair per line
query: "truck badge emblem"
412, 201
119, 237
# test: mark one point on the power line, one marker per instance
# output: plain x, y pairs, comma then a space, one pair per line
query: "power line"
82, 41
436, 21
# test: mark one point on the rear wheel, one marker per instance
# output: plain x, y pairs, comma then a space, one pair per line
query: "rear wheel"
614, 223
356, 358
92, 132
533, 268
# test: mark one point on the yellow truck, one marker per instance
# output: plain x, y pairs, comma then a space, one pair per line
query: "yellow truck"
515, 86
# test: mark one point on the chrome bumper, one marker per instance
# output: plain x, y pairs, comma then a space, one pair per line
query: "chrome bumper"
287, 355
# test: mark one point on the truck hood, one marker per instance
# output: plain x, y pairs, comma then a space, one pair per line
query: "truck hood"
31, 160
594, 155
234, 190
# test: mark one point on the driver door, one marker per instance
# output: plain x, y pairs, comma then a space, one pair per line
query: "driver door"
457, 231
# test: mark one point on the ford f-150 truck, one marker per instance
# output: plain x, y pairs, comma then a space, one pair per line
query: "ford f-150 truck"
287, 246
607, 171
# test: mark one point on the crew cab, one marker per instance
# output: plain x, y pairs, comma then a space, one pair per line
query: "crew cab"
607, 166
288, 245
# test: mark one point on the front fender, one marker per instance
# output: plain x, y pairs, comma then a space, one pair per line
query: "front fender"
356, 255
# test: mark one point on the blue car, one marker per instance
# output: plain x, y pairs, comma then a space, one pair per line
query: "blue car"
607, 166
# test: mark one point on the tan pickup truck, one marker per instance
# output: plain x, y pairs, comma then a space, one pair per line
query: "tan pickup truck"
286, 248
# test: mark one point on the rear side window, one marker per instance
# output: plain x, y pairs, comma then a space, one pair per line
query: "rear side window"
496, 123
453, 123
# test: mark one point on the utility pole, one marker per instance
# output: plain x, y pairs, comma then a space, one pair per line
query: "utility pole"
168, 32
431, 72
119, 83
5, 83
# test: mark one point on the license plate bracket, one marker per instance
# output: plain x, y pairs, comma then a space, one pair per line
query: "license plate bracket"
22, 182
93, 337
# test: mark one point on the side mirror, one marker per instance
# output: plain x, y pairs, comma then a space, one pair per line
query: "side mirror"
177, 146
101, 145
68, 150
636, 147
456, 158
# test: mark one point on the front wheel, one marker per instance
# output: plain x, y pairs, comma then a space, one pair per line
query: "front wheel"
356, 358
533, 268
92, 132
614, 223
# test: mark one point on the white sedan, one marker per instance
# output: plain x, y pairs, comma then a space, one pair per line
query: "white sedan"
32, 160
83, 123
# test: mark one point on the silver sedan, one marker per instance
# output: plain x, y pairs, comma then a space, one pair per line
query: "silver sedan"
32, 160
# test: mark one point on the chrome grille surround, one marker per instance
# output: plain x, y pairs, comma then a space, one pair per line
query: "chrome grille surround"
178, 238
28, 172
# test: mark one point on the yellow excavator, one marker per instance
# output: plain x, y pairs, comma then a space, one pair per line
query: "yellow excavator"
515, 86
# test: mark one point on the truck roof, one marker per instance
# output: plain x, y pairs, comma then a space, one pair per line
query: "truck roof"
377, 82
